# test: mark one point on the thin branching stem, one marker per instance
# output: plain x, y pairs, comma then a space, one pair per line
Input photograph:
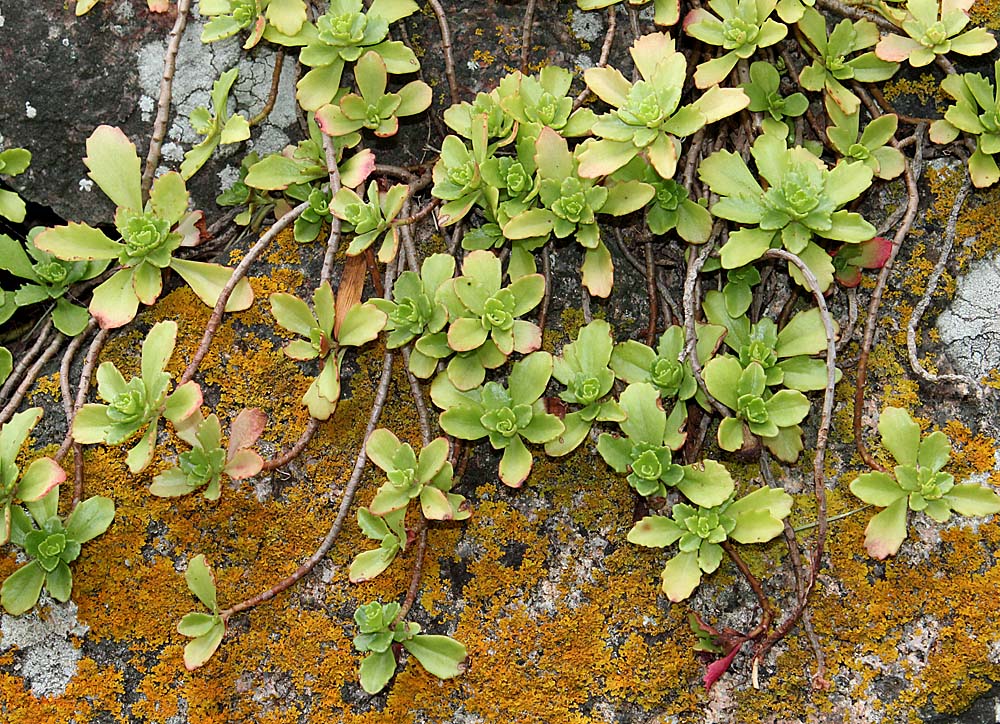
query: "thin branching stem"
543, 310
449, 61
419, 214
166, 94
963, 384
64, 369
345, 504
17, 375
418, 569
752, 580
83, 386
272, 96
651, 293
295, 450
690, 334
609, 38
423, 417
238, 273
333, 241
819, 455
381, 394
526, 27
856, 13
871, 323
53, 346
406, 235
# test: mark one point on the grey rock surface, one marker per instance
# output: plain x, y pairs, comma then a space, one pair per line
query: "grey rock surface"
43, 637
970, 327
63, 76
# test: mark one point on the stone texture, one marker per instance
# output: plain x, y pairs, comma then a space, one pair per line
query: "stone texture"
63, 76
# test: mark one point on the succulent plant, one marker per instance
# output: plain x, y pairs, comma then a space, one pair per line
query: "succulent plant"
738, 27
787, 356
918, 483
582, 367
13, 161
543, 100
698, 530
206, 629
763, 90
340, 36
835, 62
803, 200
932, 28
428, 478
324, 338
42, 475
571, 203
483, 310
207, 460
51, 544
374, 109
458, 179
149, 236
870, 148
976, 111
219, 128
645, 452
139, 403
442, 656
372, 219
49, 278
229, 17
647, 116
507, 415
773, 417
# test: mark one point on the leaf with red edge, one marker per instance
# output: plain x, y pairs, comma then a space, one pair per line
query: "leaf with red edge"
245, 430
720, 666
874, 253
850, 259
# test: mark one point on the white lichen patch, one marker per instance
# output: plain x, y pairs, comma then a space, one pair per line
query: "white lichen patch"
587, 26
48, 656
197, 68
970, 327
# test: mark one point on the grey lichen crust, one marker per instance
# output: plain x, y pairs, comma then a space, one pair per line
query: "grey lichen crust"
47, 654
198, 66
970, 326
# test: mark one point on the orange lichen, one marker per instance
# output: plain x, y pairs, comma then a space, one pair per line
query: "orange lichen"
556, 608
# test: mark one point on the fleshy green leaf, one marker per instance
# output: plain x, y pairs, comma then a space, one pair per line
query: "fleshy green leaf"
442, 656
207, 281
200, 650
900, 434
201, 582
21, 588
681, 576
973, 499
90, 519
114, 166
376, 669
886, 530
